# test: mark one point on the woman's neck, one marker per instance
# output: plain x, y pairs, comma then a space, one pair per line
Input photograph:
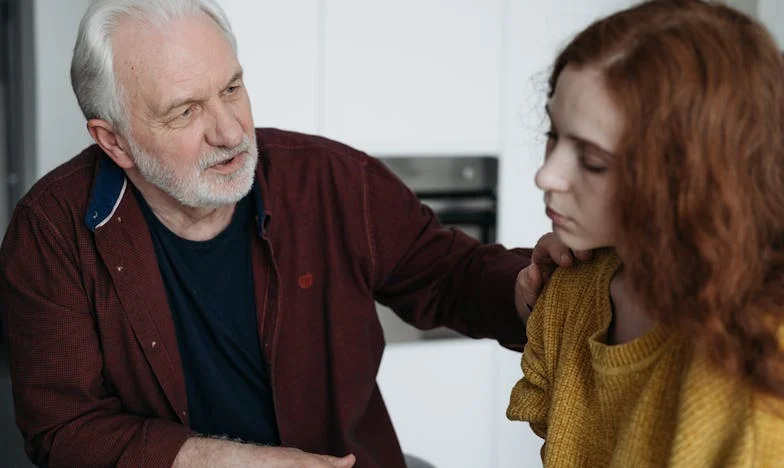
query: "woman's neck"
629, 320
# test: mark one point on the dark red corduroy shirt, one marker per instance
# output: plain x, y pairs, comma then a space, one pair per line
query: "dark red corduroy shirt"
97, 375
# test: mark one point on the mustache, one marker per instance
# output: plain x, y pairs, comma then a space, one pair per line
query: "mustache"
219, 155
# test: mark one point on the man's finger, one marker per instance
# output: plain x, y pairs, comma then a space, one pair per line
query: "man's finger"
549, 251
533, 284
545, 273
346, 462
342, 462
583, 255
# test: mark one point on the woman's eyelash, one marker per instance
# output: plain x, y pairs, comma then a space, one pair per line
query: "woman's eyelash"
581, 154
590, 168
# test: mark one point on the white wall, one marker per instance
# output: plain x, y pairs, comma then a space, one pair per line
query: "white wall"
278, 47
747, 6
771, 12
60, 126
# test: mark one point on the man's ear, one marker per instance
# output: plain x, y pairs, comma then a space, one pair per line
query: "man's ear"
107, 138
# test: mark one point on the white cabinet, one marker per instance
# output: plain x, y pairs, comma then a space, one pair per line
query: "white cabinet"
516, 445
413, 76
279, 51
440, 397
390, 78
448, 399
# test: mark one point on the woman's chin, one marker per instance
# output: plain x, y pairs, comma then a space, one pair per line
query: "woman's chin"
578, 243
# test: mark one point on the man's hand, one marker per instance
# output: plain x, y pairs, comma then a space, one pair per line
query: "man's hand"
548, 254
206, 452
289, 457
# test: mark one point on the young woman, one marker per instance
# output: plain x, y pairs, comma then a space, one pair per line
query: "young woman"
666, 152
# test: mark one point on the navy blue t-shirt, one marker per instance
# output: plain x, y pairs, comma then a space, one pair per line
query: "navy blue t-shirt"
209, 285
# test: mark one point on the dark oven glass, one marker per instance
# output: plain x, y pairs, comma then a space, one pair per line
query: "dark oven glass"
460, 190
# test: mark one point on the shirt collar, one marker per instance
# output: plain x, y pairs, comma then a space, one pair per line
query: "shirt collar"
111, 184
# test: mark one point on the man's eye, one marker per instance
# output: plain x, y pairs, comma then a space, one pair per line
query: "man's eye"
187, 113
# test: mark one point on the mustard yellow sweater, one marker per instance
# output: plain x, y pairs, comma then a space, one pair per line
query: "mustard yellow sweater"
651, 402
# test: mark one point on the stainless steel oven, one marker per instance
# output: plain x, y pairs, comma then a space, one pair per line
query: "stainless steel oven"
462, 191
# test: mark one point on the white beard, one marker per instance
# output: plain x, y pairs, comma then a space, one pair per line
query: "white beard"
194, 186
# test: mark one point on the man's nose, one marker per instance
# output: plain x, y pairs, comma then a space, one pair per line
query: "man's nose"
226, 130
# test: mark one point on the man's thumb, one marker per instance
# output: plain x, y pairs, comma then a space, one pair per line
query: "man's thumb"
346, 461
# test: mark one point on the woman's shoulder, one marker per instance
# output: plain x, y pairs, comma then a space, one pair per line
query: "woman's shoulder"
595, 273
577, 293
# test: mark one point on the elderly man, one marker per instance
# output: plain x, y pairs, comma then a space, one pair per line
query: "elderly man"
192, 291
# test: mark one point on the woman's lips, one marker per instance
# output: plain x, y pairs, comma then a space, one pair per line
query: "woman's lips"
557, 218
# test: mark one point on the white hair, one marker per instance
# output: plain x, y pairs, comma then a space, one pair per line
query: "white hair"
92, 66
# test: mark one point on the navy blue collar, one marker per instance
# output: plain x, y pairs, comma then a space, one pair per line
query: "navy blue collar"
110, 186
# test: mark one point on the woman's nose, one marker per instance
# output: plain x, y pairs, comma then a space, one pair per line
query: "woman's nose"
554, 173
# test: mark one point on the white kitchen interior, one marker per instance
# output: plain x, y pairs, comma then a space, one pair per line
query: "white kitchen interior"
395, 79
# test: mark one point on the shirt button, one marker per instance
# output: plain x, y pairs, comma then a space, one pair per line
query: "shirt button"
154, 344
119, 268
184, 413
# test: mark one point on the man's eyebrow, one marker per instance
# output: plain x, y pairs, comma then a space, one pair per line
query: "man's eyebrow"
177, 103
235, 77
582, 141
189, 100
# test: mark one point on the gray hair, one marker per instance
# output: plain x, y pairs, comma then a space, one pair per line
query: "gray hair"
92, 66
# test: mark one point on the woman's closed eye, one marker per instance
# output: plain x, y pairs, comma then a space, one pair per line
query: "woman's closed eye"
589, 161
552, 139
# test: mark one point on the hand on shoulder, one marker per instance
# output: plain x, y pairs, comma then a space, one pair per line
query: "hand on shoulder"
548, 254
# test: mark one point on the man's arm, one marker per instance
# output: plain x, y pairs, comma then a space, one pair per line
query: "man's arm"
67, 415
434, 276
198, 452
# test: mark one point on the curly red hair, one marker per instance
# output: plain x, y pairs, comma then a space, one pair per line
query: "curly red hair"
700, 173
